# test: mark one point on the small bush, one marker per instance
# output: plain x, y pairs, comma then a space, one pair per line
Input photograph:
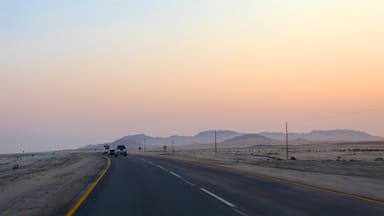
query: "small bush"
293, 158
379, 159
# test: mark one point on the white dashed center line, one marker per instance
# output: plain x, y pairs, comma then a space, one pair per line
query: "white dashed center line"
239, 212
217, 197
183, 179
162, 168
202, 189
178, 176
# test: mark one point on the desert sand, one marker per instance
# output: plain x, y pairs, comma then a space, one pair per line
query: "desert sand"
44, 183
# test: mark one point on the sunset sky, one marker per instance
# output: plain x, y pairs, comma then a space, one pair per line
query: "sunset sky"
76, 72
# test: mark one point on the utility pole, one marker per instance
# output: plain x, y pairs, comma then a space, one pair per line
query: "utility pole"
215, 141
173, 143
144, 144
286, 138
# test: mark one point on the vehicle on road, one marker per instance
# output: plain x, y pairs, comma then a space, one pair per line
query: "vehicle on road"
111, 151
106, 149
121, 150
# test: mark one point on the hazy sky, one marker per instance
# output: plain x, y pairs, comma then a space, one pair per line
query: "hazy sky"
79, 72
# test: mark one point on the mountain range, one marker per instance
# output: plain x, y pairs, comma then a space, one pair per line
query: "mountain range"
326, 135
203, 137
228, 138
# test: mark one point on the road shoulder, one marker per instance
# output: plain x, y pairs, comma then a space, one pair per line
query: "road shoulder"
45, 184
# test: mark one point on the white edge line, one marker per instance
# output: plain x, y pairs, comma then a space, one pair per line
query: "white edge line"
218, 197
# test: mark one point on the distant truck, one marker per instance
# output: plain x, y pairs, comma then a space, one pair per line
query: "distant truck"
121, 150
106, 149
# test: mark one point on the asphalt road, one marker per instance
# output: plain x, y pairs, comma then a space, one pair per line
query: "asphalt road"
143, 185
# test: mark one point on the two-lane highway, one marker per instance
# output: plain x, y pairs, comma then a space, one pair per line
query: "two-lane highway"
142, 185
139, 187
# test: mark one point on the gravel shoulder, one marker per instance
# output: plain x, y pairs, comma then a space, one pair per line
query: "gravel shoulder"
44, 183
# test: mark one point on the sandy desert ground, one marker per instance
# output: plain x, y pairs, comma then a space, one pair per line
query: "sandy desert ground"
356, 168
44, 183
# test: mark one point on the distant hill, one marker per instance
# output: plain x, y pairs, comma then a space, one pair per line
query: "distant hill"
313, 137
220, 133
339, 135
128, 143
249, 140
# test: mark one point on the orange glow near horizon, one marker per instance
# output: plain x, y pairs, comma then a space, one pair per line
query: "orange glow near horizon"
246, 66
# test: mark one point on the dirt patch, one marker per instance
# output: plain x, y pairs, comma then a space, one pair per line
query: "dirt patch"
367, 169
44, 184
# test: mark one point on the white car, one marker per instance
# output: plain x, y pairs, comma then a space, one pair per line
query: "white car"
121, 150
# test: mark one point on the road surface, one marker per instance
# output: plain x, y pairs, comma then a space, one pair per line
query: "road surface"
143, 185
